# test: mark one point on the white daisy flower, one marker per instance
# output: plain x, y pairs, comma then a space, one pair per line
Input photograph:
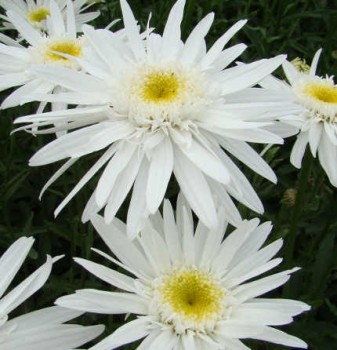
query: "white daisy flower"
38, 330
48, 49
37, 11
190, 290
159, 106
316, 116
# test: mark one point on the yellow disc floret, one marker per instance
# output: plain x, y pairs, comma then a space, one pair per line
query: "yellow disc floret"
322, 92
38, 15
161, 87
193, 295
66, 46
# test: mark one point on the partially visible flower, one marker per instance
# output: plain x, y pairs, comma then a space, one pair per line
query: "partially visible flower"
190, 290
160, 106
49, 49
316, 99
38, 330
37, 11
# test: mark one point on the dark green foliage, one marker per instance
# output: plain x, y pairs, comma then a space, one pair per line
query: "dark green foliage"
295, 27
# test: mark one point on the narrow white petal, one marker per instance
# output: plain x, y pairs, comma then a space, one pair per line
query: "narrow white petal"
107, 275
249, 156
92, 300
172, 236
278, 337
195, 188
314, 62
214, 52
314, 137
247, 75
132, 31
160, 170
89, 174
207, 162
115, 166
298, 150
122, 186
327, 153
129, 332
12, 259
121, 246
26, 288
195, 41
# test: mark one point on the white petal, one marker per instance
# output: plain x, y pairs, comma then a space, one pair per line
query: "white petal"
314, 137
206, 161
12, 259
247, 75
160, 170
298, 150
121, 246
249, 156
195, 41
92, 300
26, 288
171, 34
327, 153
107, 275
89, 174
115, 166
278, 337
314, 62
214, 52
195, 188
129, 332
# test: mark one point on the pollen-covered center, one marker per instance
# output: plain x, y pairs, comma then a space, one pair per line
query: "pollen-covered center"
322, 92
195, 297
161, 87
38, 15
57, 48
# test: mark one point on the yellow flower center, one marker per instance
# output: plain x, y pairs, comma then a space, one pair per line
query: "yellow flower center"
322, 92
161, 87
38, 15
193, 295
70, 47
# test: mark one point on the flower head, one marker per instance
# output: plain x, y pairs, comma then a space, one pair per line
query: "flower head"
53, 47
190, 290
161, 106
316, 115
37, 12
40, 329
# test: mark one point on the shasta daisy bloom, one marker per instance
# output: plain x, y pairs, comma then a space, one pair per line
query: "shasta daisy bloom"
160, 106
316, 115
51, 48
190, 290
37, 11
38, 330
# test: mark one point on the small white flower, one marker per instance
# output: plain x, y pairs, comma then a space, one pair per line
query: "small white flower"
190, 290
37, 11
50, 48
316, 115
38, 330
160, 106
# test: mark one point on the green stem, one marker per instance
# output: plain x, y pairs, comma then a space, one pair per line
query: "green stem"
299, 204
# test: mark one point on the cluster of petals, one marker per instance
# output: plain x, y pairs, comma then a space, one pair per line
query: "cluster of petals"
158, 106
162, 265
41, 329
316, 114
16, 58
37, 11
